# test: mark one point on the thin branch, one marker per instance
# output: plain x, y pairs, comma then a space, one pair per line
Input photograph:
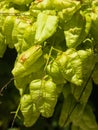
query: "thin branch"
16, 115
5, 86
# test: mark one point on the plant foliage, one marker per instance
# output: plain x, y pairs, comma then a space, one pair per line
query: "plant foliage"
57, 53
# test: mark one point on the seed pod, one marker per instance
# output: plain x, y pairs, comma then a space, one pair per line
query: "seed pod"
70, 66
54, 71
44, 95
46, 27
26, 60
29, 110
7, 30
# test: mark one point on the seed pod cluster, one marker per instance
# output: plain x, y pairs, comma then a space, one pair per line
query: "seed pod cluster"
57, 53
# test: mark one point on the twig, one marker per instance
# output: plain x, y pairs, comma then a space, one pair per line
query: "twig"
5, 86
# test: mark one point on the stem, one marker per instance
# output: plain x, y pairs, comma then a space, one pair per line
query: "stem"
48, 58
56, 50
16, 113
5, 86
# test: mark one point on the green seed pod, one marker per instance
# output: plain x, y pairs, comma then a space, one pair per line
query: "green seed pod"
54, 71
22, 83
46, 27
44, 94
29, 34
20, 25
7, 30
26, 60
70, 66
29, 110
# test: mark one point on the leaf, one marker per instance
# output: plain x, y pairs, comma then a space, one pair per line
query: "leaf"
29, 110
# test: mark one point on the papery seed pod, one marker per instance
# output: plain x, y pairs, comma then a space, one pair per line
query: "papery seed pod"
29, 34
20, 26
26, 60
70, 66
46, 27
54, 71
44, 95
7, 30
29, 110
